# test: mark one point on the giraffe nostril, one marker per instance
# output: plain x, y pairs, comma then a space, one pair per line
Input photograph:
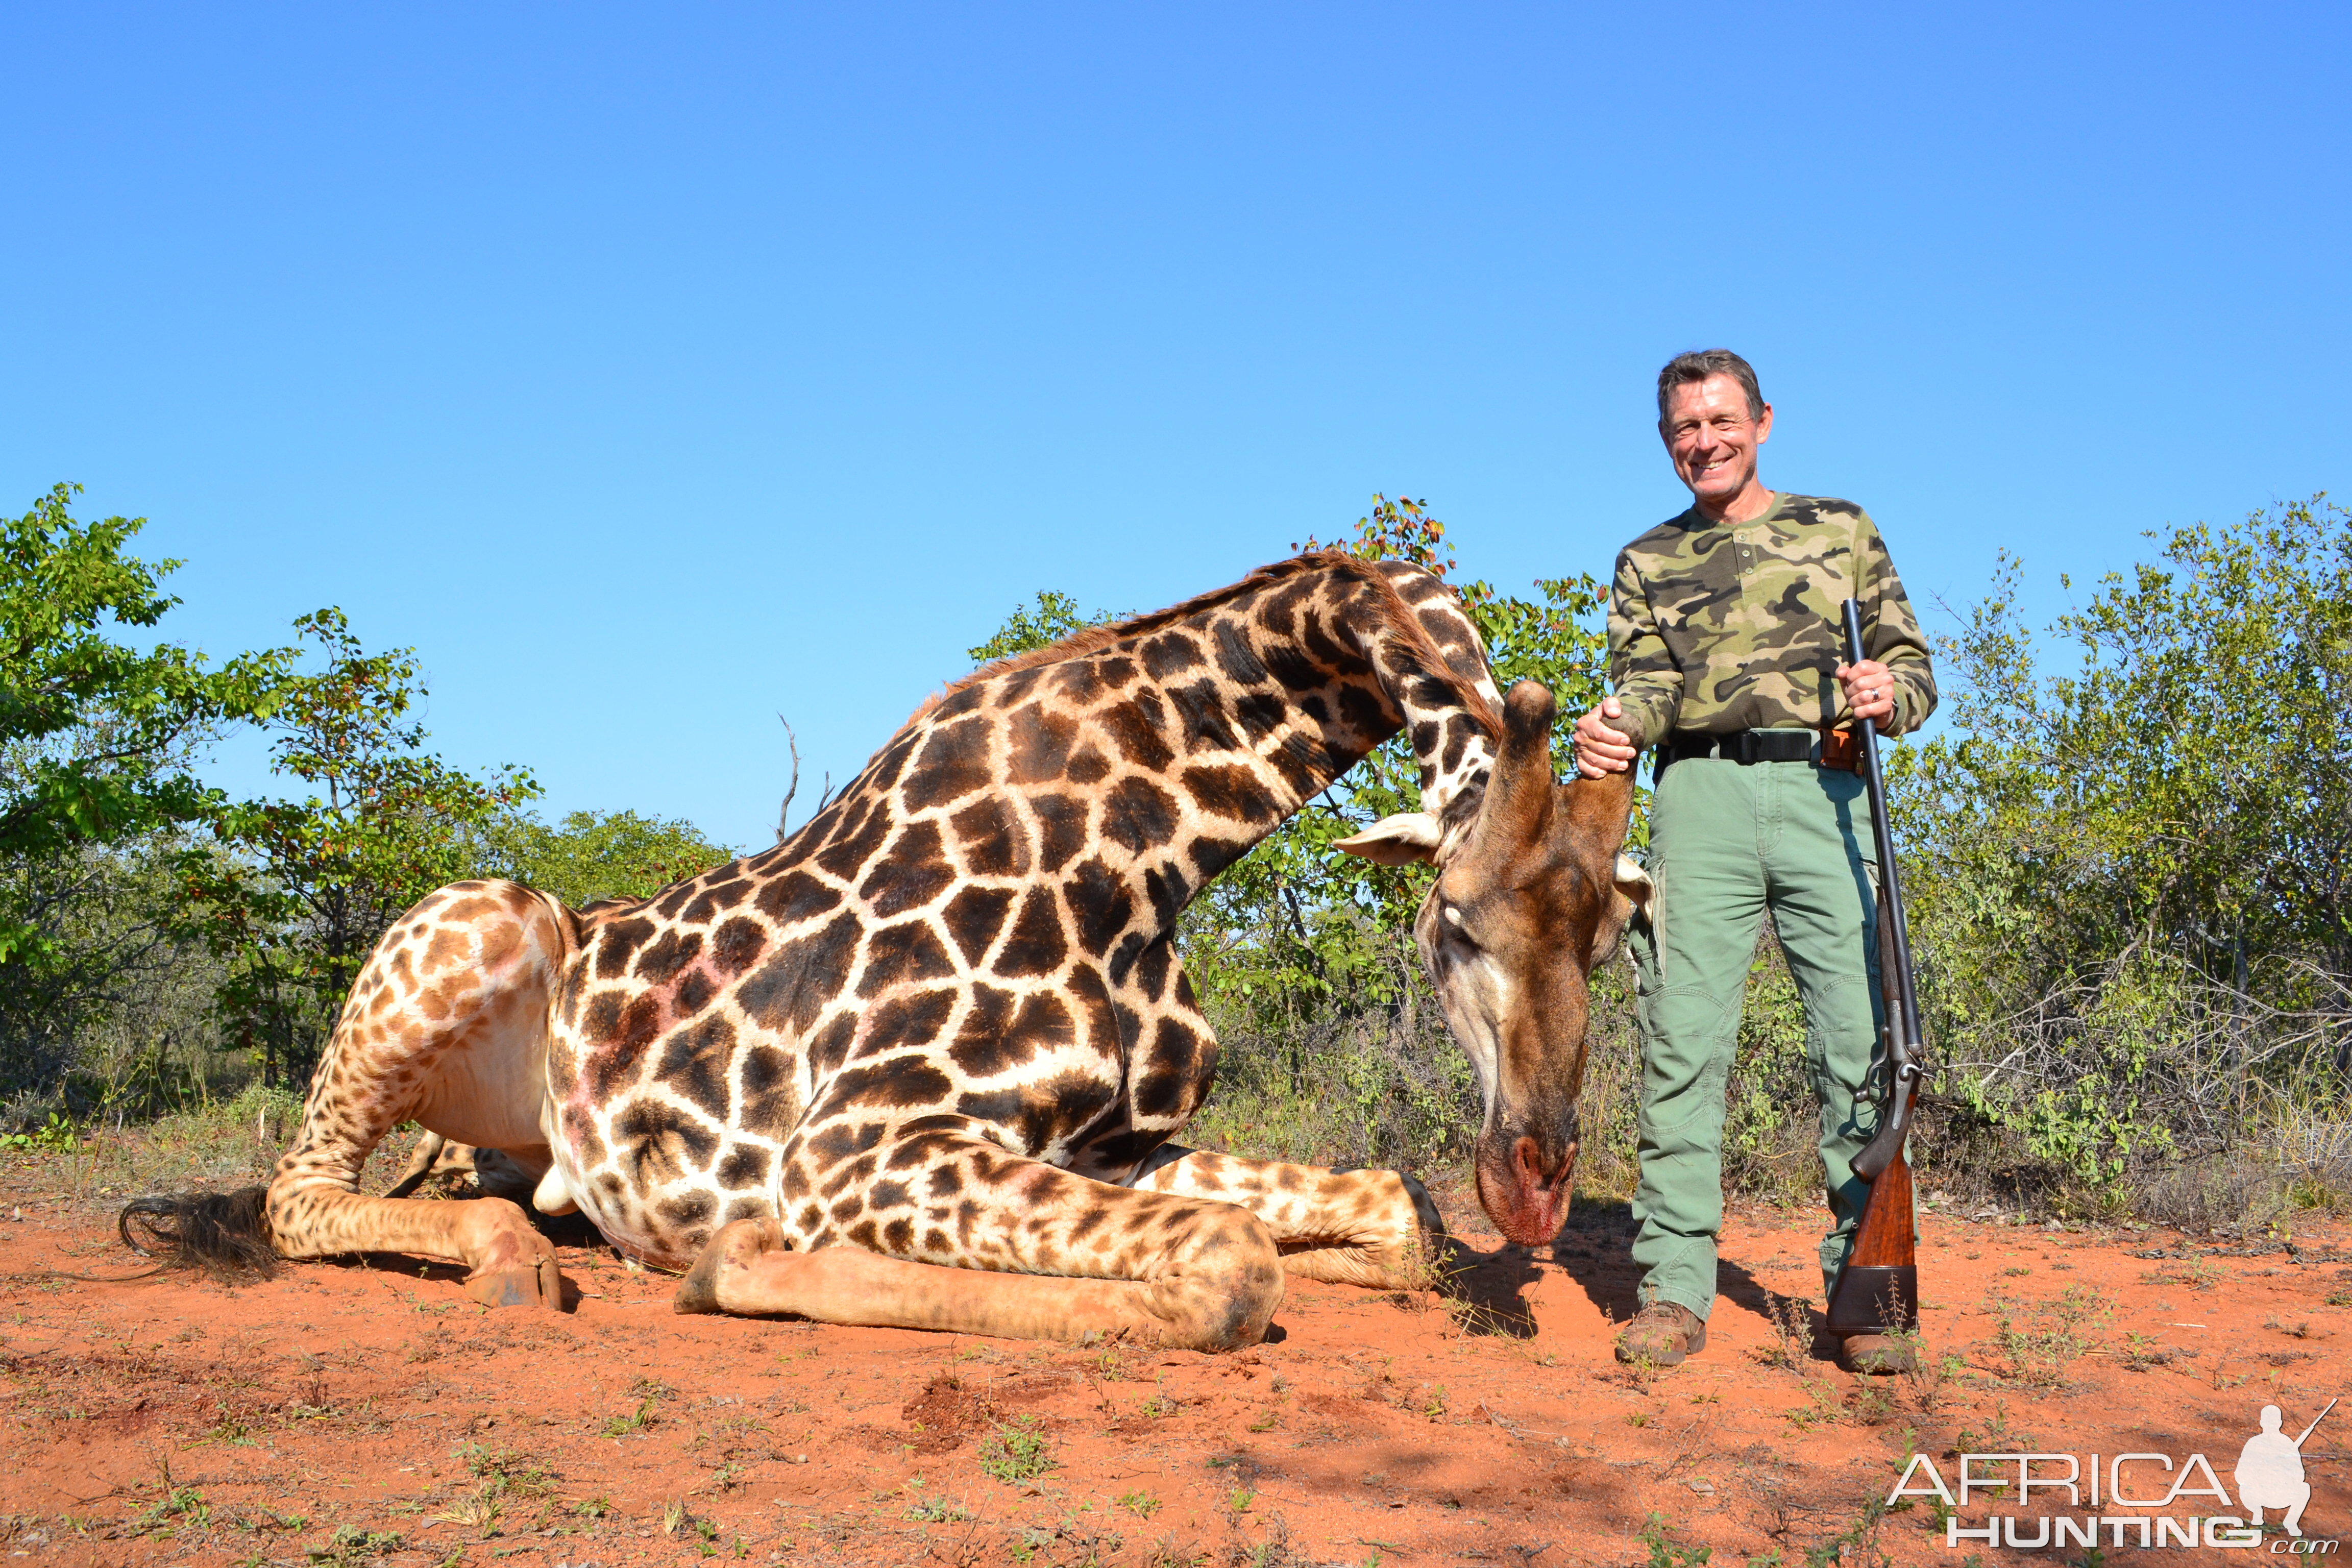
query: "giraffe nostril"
1527, 1160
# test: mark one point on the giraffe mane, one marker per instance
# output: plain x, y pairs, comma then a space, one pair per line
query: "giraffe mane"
1395, 612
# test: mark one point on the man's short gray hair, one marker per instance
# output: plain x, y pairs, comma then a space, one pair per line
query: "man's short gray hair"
1700, 363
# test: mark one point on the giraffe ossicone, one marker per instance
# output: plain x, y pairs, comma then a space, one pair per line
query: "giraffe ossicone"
921, 1064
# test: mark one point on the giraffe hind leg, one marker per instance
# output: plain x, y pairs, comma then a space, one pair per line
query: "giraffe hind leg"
445, 1025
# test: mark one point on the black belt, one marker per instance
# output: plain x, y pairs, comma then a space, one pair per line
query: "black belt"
1746, 748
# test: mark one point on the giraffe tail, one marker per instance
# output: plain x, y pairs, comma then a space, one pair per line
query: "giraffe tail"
226, 1235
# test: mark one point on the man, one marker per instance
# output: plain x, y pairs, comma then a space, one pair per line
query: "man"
1725, 650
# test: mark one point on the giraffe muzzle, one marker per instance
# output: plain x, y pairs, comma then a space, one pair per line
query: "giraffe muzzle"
1526, 1203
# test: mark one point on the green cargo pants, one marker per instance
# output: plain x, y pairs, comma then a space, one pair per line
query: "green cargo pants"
1727, 843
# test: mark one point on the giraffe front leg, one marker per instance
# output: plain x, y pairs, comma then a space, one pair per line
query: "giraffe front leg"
1011, 1248
1374, 1228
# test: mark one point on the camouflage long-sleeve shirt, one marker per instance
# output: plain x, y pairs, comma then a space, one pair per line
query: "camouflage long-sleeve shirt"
1717, 629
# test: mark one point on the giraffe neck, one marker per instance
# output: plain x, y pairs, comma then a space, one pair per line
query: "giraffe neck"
1184, 739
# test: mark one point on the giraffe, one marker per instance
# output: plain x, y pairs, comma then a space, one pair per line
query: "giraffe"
921, 1064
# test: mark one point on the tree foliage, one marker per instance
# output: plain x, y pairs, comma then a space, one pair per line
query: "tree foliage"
97, 735
2129, 875
594, 855
100, 733
296, 893
1054, 616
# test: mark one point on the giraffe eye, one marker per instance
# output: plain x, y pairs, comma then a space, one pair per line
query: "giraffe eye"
1453, 916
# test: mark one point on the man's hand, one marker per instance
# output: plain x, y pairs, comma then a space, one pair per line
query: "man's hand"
1869, 691
1599, 749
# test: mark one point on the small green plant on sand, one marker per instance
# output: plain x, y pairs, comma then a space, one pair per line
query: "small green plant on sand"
177, 1506
938, 1510
1855, 1546
636, 1421
1016, 1452
2056, 1334
351, 1547
1997, 1437
1665, 1552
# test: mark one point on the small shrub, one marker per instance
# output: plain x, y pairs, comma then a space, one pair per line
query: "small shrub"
1016, 1452
1667, 1552
2054, 1337
636, 1421
938, 1510
1791, 1345
351, 1547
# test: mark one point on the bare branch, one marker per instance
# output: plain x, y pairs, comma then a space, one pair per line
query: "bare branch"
794, 787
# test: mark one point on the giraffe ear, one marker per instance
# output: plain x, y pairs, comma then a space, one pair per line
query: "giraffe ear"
1394, 840
1634, 882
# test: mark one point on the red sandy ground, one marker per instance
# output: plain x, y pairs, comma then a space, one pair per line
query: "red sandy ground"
360, 1413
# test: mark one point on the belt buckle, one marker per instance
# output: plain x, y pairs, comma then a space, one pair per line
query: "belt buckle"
1746, 748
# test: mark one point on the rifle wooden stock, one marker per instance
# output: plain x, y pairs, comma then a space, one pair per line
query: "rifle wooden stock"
1878, 1287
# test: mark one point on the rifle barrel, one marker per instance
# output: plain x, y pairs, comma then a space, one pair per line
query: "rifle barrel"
1883, 831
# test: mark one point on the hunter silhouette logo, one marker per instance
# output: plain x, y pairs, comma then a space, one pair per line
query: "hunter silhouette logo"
2270, 1470
2129, 1496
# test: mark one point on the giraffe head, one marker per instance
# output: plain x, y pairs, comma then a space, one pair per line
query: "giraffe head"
1530, 894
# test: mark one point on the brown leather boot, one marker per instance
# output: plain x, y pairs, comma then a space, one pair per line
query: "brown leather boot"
1661, 1334
1883, 1354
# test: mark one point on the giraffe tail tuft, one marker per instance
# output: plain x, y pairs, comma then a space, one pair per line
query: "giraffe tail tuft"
226, 1235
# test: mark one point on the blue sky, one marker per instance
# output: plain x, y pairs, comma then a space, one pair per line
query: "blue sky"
656, 372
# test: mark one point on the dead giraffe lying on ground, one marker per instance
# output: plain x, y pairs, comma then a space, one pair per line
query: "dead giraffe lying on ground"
919, 1064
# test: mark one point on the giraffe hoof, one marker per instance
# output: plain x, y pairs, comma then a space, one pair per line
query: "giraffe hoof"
537, 1287
734, 1247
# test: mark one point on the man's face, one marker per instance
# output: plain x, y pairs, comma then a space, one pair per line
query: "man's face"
1712, 439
